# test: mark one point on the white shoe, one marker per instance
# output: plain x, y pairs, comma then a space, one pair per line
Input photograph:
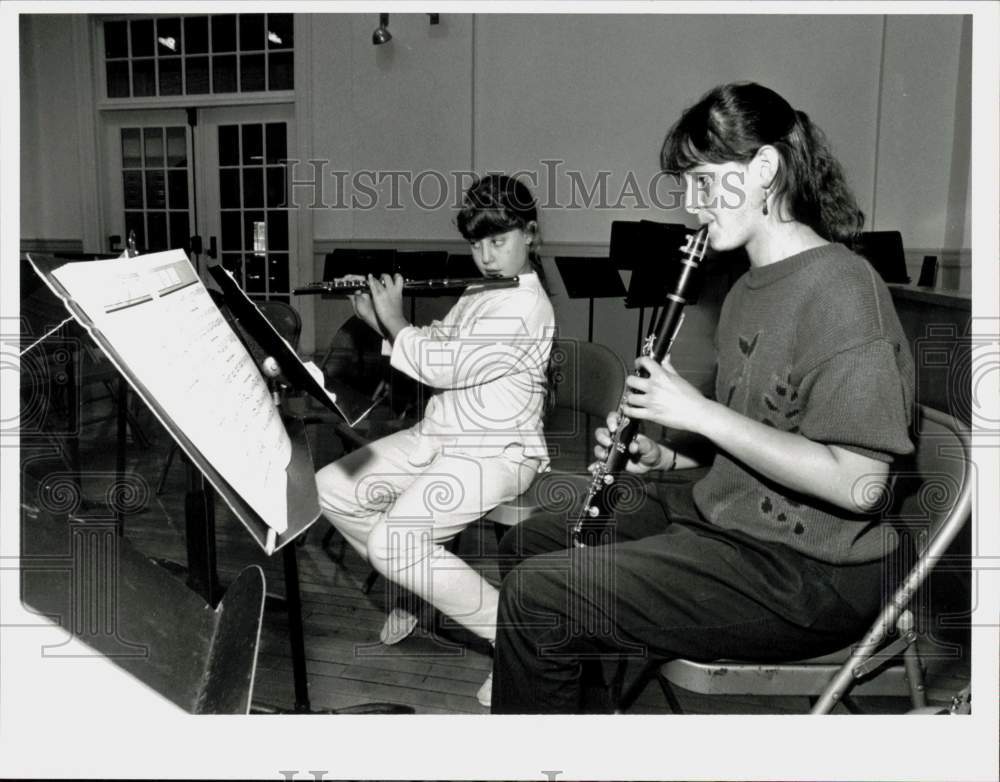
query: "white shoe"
398, 626
485, 694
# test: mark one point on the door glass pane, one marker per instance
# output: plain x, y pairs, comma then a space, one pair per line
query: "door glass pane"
231, 231
156, 197
253, 231
253, 145
176, 147
131, 148
277, 272
135, 224
229, 145
253, 187
277, 230
253, 267
154, 147
133, 189
156, 193
177, 185
229, 188
277, 143
157, 231
276, 187
179, 234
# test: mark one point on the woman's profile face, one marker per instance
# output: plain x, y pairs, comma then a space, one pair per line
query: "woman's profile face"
503, 254
722, 196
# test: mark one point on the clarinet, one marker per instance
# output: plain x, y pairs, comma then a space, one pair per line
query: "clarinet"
347, 287
599, 506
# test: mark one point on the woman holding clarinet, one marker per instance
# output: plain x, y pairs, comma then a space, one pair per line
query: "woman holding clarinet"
776, 553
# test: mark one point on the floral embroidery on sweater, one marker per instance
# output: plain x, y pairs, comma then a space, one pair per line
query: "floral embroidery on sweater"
781, 404
747, 347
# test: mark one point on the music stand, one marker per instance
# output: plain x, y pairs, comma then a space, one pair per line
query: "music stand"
461, 265
589, 278
108, 595
650, 250
264, 334
884, 251
364, 261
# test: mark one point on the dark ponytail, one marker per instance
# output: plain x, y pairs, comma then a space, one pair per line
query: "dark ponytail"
733, 121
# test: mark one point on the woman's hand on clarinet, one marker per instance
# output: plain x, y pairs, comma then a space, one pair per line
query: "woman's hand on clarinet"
664, 397
387, 299
644, 454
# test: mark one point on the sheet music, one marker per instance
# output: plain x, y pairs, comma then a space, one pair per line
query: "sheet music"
157, 314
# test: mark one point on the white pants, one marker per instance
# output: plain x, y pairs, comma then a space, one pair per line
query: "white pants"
398, 515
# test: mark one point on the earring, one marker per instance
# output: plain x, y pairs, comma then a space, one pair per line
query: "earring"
765, 210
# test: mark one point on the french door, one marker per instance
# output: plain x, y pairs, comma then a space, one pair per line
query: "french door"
210, 181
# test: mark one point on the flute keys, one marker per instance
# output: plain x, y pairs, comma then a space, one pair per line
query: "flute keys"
592, 511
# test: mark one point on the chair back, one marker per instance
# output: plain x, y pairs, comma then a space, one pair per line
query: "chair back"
931, 495
285, 319
588, 381
934, 502
589, 377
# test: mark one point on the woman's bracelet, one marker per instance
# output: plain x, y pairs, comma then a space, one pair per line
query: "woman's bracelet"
673, 460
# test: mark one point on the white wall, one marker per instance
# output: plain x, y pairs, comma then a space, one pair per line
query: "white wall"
50, 160
922, 177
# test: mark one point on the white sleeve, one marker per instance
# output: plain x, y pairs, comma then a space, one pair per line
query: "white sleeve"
478, 349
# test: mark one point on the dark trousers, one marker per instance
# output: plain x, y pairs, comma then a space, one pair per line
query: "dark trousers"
665, 584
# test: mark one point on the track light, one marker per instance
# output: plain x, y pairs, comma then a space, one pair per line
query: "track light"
382, 34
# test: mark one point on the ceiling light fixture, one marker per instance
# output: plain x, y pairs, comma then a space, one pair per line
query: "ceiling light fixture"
382, 34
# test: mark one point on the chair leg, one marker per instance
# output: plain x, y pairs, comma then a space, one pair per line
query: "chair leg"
668, 693
915, 676
622, 698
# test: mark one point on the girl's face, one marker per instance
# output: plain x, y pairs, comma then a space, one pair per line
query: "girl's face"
504, 254
724, 196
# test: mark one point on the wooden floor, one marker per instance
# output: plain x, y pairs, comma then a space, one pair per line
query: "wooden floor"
436, 671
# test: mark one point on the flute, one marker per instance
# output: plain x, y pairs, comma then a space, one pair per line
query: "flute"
599, 506
347, 287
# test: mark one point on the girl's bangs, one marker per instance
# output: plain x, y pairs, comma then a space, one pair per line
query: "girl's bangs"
477, 223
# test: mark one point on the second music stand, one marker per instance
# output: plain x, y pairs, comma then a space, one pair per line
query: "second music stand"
589, 278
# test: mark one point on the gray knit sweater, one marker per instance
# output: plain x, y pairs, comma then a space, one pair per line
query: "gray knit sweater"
810, 344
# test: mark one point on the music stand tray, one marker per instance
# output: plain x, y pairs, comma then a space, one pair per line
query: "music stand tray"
589, 277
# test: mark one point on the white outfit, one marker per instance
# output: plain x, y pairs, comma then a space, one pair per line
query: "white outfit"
480, 443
